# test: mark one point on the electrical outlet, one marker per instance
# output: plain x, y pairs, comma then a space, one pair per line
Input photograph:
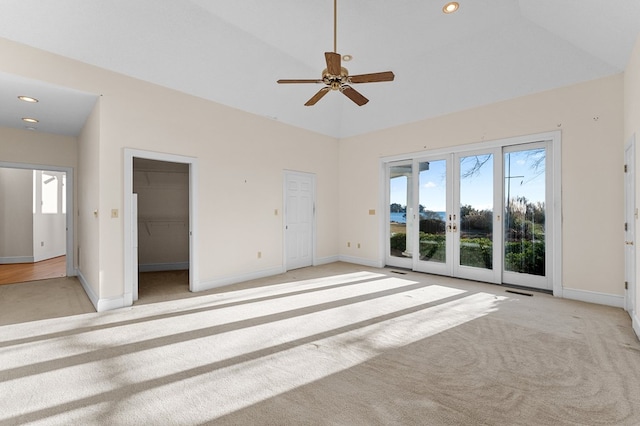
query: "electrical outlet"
358, 245
372, 212
259, 255
41, 243
348, 244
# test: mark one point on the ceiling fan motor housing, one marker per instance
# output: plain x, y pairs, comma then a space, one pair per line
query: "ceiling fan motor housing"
335, 81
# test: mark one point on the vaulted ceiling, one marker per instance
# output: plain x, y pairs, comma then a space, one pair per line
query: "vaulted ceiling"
232, 52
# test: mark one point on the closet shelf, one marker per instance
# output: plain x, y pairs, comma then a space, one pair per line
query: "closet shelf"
148, 221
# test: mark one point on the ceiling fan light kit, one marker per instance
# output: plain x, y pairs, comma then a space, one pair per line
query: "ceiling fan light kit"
336, 77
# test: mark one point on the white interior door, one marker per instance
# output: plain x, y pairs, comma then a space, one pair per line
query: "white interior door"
299, 219
629, 227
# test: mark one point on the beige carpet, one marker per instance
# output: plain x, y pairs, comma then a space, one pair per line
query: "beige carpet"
331, 345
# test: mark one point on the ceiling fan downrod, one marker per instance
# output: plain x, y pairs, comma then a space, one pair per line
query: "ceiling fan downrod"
335, 26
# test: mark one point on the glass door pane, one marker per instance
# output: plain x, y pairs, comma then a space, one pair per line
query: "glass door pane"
525, 211
475, 241
432, 207
400, 213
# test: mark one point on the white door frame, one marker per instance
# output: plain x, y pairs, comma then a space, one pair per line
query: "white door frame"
631, 213
312, 176
69, 222
130, 222
535, 281
400, 262
493, 275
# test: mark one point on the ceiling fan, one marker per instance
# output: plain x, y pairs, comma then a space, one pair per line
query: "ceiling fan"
336, 77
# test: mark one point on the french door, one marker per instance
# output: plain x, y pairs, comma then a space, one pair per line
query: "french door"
477, 214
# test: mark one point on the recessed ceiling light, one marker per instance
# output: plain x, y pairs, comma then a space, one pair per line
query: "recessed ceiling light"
450, 7
347, 58
30, 120
28, 99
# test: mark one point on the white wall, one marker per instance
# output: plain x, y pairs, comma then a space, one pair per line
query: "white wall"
590, 117
16, 220
29, 147
241, 158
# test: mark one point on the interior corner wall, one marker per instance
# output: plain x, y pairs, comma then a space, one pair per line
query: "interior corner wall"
16, 222
590, 118
87, 214
241, 158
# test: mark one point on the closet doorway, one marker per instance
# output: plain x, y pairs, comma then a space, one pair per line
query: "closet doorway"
159, 225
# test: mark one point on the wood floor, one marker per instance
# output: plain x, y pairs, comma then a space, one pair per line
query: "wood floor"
23, 272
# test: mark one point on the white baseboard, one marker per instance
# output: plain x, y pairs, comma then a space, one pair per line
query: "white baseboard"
594, 297
326, 260
87, 289
635, 323
110, 304
100, 305
361, 261
221, 282
158, 267
48, 255
15, 259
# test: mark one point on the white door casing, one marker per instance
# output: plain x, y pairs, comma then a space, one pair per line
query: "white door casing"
629, 228
130, 220
299, 229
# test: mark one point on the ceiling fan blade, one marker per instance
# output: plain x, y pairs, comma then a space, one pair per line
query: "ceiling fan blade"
333, 63
317, 96
298, 81
354, 95
372, 78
